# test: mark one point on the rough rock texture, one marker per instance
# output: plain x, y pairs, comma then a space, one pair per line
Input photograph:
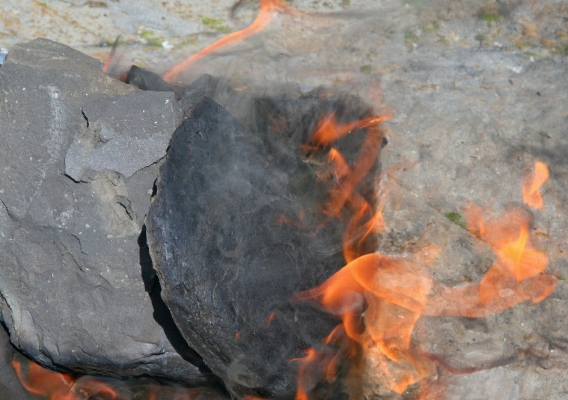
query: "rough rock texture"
124, 134
231, 247
72, 293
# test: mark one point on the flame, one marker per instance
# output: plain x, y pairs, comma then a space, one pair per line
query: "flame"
380, 298
268, 10
45, 383
532, 183
329, 130
318, 365
347, 178
516, 276
59, 386
270, 318
364, 222
111, 56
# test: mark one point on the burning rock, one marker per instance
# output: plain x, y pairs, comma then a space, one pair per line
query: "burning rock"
235, 230
87, 227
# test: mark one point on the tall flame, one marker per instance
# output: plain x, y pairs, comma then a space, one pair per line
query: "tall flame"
267, 12
380, 298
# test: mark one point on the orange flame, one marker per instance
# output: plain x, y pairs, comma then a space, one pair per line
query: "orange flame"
364, 222
45, 383
267, 12
380, 298
329, 130
59, 386
516, 276
111, 55
532, 183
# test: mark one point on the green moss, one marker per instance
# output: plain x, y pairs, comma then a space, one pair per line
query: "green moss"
482, 38
410, 37
190, 42
44, 5
489, 17
456, 218
443, 40
147, 34
152, 39
560, 49
214, 23
366, 69
531, 54
432, 28
154, 42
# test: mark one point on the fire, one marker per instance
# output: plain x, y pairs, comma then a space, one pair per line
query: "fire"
268, 10
43, 382
380, 298
516, 275
531, 185
59, 386
329, 130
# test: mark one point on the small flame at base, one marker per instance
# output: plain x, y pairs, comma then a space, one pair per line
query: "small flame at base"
59, 386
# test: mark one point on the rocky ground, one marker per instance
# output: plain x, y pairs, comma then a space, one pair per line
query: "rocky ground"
478, 90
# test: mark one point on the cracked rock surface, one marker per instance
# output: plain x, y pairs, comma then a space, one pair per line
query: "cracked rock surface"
72, 293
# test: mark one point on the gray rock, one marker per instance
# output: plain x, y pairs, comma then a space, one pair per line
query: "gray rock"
71, 282
124, 134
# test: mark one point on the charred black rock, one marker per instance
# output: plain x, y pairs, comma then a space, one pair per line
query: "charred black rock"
235, 231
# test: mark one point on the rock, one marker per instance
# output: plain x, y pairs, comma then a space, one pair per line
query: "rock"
71, 284
234, 232
124, 134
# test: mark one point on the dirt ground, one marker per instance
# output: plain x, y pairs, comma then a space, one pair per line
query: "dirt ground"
155, 32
